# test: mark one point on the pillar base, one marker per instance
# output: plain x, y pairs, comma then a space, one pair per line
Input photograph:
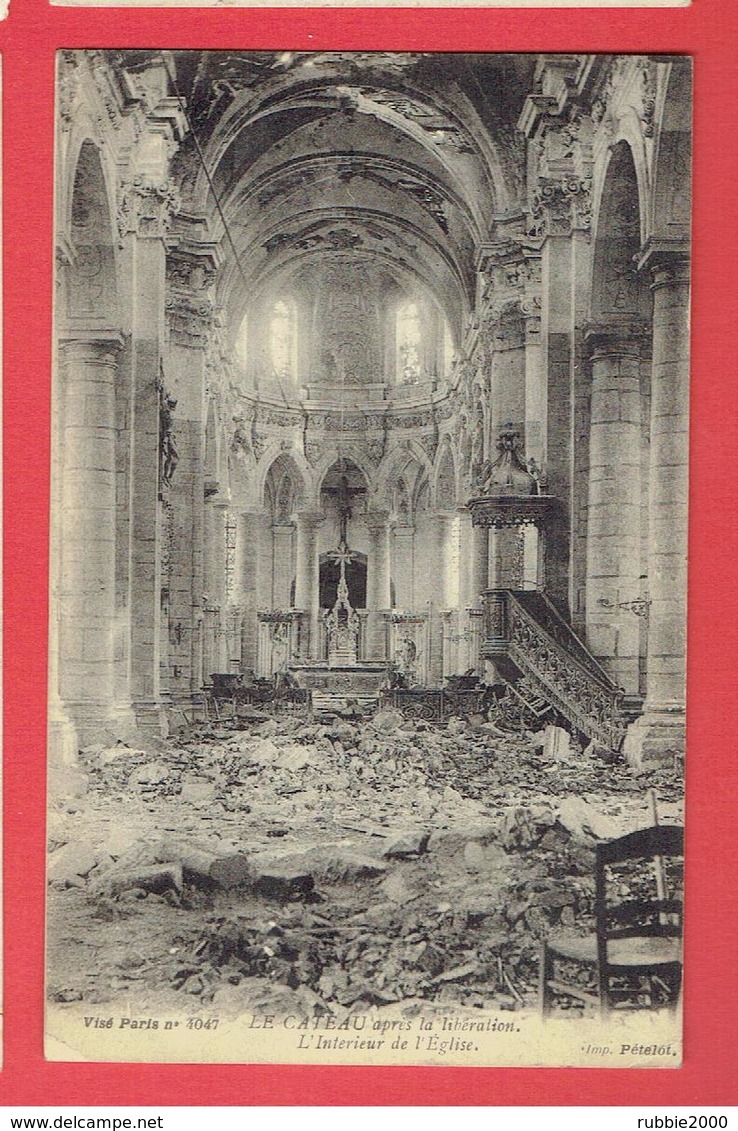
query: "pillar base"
656, 739
98, 722
151, 717
62, 738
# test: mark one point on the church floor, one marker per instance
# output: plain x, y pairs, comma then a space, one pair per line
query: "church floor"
354, 866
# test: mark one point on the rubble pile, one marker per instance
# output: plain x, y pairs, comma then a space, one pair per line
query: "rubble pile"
327, 866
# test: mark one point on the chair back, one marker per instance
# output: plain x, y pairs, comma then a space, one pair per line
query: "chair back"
643, 910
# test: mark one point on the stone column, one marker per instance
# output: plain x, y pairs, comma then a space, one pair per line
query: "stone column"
246, 585
378, 598
446, 592
147, 202
307, 583
535, 379
565, 281
556, 345
465, 557
282, 564
87, 517
404, 566
479, 564
192, 262
535, 414
614, 501
216, 511
447, 529
659, 733
559, 185
147, 337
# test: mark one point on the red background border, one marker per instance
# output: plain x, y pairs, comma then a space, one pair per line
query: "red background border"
709, 31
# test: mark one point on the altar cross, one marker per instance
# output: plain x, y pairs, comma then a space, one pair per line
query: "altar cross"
344, 495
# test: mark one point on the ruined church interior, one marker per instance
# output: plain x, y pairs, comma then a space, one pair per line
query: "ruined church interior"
369, 515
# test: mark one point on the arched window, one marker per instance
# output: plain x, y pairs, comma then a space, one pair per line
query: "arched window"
409, 341
282, 338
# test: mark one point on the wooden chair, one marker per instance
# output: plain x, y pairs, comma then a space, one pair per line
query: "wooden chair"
634, 960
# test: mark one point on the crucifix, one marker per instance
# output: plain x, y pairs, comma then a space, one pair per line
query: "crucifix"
344, 495
343, 558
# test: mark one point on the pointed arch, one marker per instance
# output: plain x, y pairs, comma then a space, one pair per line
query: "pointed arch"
333, 454
288, 460
395, 459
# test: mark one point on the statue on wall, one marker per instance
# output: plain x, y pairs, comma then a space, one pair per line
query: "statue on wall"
168, 453
241, 440
406, 656
538, 475
280, 648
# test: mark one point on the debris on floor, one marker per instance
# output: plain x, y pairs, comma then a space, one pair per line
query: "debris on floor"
287, 863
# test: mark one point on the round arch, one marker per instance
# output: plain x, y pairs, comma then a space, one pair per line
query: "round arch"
618, 292
673, 157
90, 280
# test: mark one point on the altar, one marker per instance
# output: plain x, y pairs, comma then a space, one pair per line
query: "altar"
342, 677
355, 681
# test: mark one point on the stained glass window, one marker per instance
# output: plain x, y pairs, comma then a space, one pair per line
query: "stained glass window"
409, 339
282, 338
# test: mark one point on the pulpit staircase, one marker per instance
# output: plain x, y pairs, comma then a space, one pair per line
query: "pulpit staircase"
545, 664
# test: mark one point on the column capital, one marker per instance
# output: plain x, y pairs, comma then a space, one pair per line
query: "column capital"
377, 521
561, 205
668, 260
192, 265
190, 318
309, 519
146, 206
623, 338
102, 346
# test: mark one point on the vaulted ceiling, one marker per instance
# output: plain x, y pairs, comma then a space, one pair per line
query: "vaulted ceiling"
399, 162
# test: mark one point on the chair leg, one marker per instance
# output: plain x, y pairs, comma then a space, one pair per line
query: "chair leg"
603, 979
545, 976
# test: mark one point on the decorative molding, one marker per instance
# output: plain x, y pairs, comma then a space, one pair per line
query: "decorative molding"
68, 89
507, 512
189, 319
668, 257
624, 338
561, 206
146, 208
554, 665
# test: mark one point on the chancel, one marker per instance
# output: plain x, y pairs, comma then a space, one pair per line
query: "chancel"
372, 372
